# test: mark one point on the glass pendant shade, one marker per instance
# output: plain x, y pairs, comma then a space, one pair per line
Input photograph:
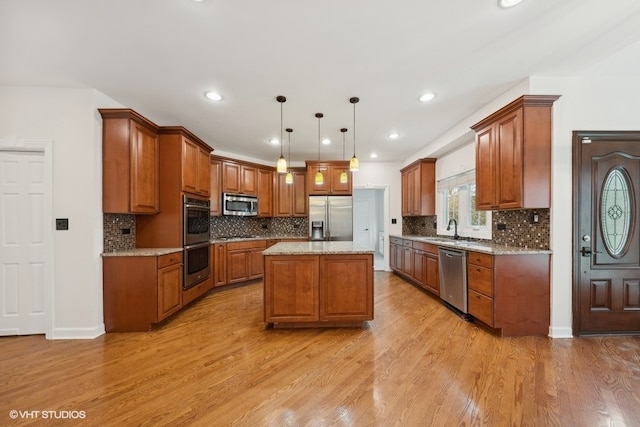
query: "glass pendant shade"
288, 178
319, 178
354, 164
281, 166
344, 178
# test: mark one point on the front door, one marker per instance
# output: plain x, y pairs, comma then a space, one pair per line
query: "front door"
606, 238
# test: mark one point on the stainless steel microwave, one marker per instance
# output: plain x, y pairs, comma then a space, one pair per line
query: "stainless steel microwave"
239, 204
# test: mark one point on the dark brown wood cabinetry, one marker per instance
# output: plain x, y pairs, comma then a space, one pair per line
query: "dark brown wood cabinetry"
245, 261
291, 199
266, 184
510, 293
130, 163
219, 264
331, 170
215, 198
415, 261
195, 167
239, 178
513, 155
140, 291
318, 289
419, 188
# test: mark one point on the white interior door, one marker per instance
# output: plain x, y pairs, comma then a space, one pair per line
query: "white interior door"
22, 242
364, 218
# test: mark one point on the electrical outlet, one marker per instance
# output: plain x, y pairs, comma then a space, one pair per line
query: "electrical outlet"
535, 218
126, 231
296, 225
502, 227
394, 221
265, 226
62, 223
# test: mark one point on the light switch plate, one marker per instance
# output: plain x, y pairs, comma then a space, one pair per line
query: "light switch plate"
62, 223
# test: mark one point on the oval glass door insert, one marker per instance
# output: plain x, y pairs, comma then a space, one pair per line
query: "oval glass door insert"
616, 215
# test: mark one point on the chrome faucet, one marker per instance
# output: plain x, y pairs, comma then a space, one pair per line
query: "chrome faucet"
455, 228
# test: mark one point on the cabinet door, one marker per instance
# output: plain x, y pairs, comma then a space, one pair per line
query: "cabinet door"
145, 159
215, 196
256, 264
485, 169
291, 288
237, 266
230, 177
190, 152
300, 199
249, 180
318, 189
284, 196
204, 173
420, 267
407, 260
265, 192
346, 288
169, 290
432, 281
219, 264
510, 162
337, 187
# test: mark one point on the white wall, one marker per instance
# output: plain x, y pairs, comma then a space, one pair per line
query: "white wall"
69, 118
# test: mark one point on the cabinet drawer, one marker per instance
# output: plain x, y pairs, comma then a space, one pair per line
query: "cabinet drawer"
396, 240
249, 244
477, 258
480, 279
481, 307
407, 243
426, 247
169, 259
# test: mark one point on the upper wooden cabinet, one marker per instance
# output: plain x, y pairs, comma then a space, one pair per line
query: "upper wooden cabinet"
130, 163
186, 158
513, 155
238, 178
291, 199
331, 169
266, 183
419, 188
215, 198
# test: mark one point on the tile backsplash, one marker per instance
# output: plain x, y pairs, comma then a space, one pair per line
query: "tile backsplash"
519, 229
113, 237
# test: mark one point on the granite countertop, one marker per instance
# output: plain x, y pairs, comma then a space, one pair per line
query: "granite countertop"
143, 252
316, 248
252, 237
486, 247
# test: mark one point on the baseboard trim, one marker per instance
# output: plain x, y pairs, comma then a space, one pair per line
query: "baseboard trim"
560, 332
77, 333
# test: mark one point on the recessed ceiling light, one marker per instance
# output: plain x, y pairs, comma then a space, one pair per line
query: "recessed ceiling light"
326, 141
508, 3
427, 97
213, 96
274, 141
373, 155
394, 135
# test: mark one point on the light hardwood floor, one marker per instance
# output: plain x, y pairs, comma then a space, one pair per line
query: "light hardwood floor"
416, 364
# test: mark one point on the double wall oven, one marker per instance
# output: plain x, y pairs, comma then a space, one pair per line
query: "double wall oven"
196, 240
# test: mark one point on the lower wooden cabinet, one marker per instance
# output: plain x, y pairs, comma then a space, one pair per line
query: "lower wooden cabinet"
244, 260
415, 261
219, 264
139, 291
510, 293
329, 289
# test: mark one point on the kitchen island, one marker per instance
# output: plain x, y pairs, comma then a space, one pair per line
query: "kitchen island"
310, 284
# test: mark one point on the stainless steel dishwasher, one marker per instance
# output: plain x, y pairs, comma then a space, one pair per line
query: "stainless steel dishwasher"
453, 278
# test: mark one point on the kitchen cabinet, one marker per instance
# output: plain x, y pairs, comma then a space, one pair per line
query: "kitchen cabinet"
425, 266
291, 199
219, 264
419, 188
513, 155
396, 251
239, 178
215, 198
130, 163
244, 260
140, 291
331, 184
510, 293
320, 290
185, 170
266, 184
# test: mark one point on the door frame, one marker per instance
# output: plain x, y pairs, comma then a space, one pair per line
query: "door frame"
578, 136
386, 215
45, 146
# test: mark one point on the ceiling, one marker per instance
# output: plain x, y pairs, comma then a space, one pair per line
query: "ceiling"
159, 57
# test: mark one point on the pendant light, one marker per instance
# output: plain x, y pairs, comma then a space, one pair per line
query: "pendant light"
281, 166
354, 164
319, 178
344, 178
289, 178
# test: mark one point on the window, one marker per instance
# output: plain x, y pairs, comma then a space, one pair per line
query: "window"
457, 201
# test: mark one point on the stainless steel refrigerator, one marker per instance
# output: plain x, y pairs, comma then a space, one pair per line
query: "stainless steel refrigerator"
331, 218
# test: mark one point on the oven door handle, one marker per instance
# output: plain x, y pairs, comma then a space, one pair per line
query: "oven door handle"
196, 246
196, 207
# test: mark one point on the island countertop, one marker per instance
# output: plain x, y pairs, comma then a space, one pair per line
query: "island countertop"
316, 248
